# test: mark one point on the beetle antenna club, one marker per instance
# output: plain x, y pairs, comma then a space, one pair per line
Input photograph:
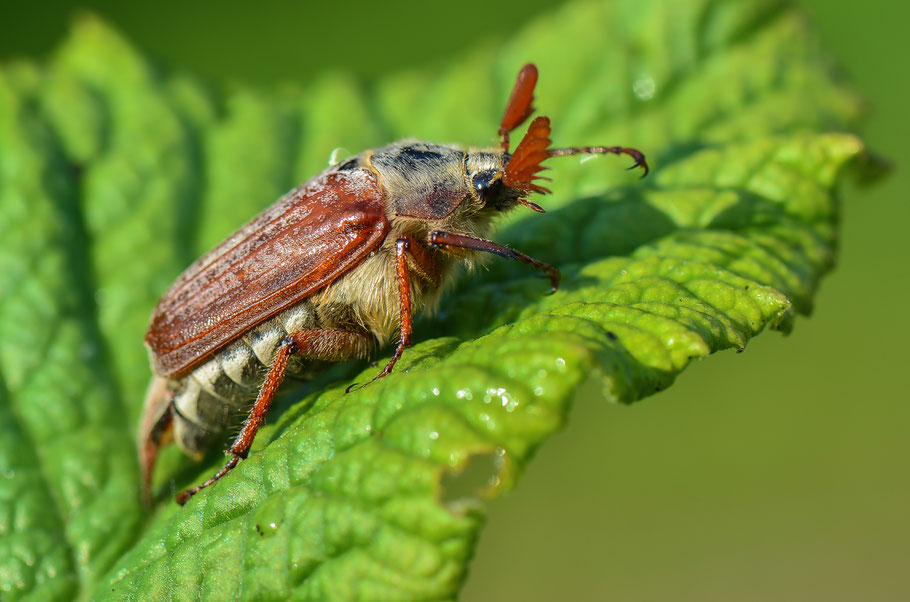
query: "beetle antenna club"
519, 107
329, 273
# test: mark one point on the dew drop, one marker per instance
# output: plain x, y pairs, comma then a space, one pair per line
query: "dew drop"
644, 87
337, 153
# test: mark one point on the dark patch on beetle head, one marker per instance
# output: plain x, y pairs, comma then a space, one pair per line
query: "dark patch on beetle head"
417, 154
416, 158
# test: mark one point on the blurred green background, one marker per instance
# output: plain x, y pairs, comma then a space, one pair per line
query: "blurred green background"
778, 474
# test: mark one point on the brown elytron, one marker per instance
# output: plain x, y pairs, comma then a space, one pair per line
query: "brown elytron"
300, 244
330, 272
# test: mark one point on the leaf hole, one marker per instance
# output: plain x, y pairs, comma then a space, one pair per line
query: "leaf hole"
480, 476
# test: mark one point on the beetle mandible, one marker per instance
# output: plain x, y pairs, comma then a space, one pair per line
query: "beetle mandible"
329, 273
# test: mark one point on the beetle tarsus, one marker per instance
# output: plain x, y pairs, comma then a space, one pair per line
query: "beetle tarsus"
184, 496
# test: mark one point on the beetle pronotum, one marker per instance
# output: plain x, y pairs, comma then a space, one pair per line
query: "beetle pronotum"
330, 272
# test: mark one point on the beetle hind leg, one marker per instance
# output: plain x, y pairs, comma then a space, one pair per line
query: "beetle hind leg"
326, 345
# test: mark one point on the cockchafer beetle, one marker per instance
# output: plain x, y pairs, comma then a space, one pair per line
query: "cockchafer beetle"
329, 273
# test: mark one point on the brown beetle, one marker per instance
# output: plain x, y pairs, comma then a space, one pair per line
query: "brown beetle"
330, 272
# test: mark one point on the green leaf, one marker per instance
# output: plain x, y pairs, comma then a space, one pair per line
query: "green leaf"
114, 175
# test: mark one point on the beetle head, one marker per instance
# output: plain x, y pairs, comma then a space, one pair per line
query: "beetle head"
501, 180
483, 173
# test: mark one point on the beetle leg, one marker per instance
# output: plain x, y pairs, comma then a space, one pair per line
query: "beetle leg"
326, 345
438, 238
426, 268
402, 248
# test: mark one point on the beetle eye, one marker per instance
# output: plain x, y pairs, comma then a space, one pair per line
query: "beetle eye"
487, 183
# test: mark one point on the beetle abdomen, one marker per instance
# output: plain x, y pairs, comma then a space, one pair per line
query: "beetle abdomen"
216, 395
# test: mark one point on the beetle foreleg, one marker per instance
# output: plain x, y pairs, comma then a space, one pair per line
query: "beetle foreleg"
437, 238
326, 345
